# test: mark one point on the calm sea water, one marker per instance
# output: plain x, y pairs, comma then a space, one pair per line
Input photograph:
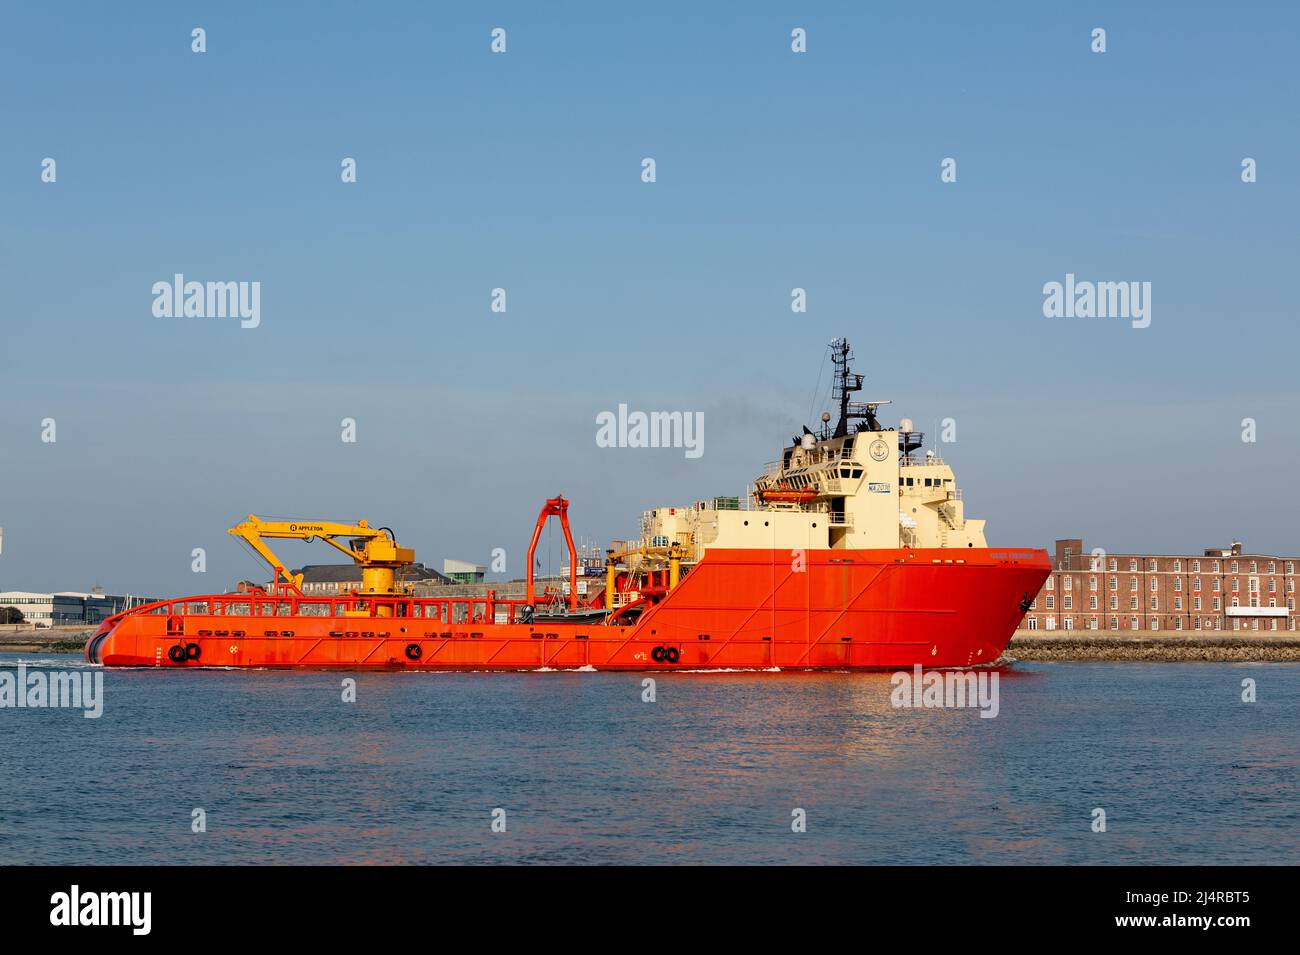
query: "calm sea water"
709, 773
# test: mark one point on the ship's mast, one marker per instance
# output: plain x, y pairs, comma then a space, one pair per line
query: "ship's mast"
846, 382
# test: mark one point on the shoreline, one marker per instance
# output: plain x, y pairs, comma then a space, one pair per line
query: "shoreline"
60, 639
1033, 647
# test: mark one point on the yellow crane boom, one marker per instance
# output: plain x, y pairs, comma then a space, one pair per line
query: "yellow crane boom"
374, 549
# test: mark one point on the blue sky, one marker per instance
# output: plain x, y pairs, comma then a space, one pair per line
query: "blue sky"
522, 171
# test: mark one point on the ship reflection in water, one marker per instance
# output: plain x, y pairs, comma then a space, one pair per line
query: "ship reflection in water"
708, 773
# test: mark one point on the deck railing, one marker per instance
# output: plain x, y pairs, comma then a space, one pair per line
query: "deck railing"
486, 608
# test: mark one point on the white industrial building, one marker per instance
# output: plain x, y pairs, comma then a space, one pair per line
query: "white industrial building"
463, 572
68, 607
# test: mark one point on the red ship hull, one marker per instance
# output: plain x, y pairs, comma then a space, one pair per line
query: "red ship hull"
750, 609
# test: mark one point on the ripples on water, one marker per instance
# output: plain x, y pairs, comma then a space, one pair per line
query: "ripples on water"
287, 773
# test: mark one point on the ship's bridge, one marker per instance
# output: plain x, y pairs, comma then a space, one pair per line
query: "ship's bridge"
856, 485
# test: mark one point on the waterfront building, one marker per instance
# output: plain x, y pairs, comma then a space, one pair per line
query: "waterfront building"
463, 572
331, 579
69, 607
1219, 589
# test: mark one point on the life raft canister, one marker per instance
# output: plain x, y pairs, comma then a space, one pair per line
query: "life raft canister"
413, 651
176, 653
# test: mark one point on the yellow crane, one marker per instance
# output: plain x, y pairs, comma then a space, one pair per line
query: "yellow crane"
374, 549
673, 553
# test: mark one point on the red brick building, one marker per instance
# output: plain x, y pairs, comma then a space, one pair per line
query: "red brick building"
1222, 590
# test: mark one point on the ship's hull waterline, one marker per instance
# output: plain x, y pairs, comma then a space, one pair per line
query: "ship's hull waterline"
757, 609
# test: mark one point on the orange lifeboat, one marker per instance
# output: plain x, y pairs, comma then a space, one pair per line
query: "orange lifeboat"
784, 494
